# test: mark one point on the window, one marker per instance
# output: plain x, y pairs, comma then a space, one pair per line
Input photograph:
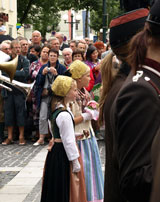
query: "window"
76, 25
3, 4
11, 6
10, 30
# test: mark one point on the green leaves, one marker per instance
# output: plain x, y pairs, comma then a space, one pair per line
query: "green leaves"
41, 14
96, 19
45, 14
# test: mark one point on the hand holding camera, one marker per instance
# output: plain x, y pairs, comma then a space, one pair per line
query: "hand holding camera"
45, 70
53, 71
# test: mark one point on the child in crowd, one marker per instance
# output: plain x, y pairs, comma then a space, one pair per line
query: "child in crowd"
64, 153
2, 27
84, 133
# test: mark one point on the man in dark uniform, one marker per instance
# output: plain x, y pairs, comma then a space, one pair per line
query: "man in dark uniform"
14, 101
122, 29
135, 113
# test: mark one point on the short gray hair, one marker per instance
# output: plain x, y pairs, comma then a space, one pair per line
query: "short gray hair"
68, 50
36, 31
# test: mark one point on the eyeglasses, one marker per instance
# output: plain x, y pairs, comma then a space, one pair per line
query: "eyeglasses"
6, 48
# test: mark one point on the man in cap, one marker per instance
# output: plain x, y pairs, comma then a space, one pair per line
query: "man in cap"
122, 29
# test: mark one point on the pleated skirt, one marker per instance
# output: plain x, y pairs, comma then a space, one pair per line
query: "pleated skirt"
56, 179
94, 178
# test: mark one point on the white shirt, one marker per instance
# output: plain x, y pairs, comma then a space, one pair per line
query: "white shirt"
66, 130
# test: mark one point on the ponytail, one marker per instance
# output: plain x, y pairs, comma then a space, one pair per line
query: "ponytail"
107, 79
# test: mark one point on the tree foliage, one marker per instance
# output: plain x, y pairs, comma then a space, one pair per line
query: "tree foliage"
96, 19
43, 15
79, 4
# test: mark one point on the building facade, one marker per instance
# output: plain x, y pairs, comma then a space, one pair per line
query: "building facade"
8, 11
77, 29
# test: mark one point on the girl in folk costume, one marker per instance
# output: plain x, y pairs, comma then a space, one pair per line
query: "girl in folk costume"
64, 154
83, 130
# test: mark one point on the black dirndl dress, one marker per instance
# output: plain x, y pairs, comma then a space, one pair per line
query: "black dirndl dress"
56, 179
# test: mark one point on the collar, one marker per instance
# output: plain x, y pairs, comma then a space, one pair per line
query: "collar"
152, 66
61, 45
67, 107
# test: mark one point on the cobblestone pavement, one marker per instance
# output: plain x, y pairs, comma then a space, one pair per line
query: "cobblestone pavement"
14, 157
6, 176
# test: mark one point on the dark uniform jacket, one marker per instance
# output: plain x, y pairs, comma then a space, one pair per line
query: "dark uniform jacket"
111, 188
21, 74
155, 155
22, 70
16, 98
135, 119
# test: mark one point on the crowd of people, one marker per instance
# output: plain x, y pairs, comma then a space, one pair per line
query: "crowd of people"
67, 77
31, 117
40, 62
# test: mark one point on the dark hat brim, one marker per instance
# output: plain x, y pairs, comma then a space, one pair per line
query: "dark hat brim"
124, 27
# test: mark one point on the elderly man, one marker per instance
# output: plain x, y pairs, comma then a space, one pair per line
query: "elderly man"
82, 46
60, 37
14, 101
73, 45
24, 50
67, 55
5, 47
36, 38
55, 44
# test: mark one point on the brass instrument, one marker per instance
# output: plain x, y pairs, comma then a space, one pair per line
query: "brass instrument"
10, 69
23, 87
7, 88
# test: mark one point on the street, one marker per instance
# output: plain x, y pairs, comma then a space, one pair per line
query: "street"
21, 169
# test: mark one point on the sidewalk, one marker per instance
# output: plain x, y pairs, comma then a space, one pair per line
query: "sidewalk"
21, 169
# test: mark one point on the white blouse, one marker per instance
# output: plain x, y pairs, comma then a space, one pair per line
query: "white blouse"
66, 130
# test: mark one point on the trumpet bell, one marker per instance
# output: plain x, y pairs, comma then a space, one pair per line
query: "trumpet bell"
10, 67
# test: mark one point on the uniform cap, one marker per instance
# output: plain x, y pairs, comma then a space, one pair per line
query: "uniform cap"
124, 27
